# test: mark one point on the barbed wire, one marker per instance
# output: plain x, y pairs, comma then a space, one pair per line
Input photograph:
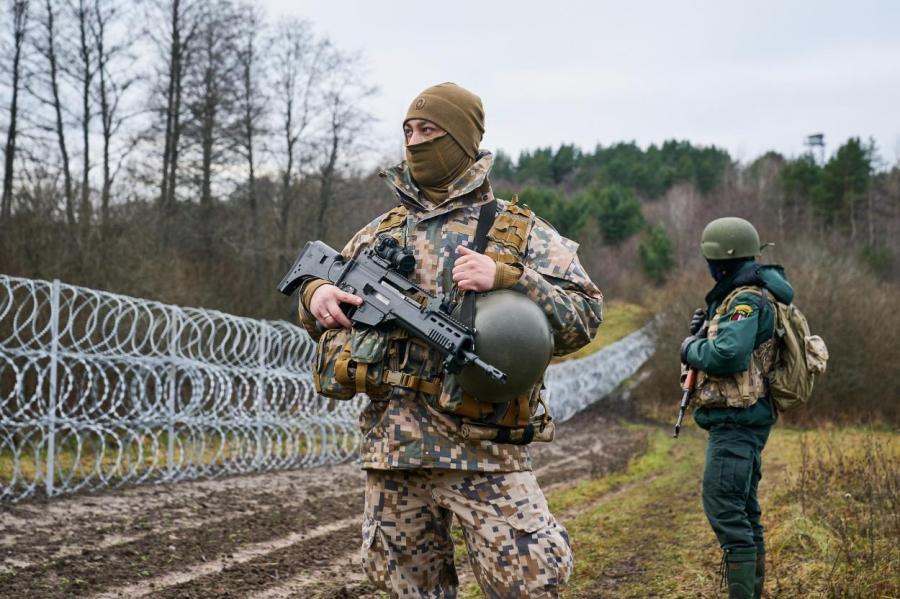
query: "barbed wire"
100, 390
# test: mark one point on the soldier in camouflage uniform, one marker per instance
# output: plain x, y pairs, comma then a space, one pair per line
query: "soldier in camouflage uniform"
733, 354
420, 470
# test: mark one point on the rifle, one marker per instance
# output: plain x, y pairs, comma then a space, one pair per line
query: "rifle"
376, 274
688, 386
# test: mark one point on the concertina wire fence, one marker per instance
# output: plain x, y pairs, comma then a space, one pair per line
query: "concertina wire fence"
100, 390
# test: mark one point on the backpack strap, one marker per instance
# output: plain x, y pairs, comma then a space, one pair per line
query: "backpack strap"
767, 301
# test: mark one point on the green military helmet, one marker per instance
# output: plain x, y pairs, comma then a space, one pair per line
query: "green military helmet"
729, 237
512, 334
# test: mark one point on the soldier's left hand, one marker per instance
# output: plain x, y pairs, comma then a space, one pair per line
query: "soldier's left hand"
473, 271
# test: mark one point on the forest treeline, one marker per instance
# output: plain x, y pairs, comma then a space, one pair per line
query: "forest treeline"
174, 149
851, 199
184, 150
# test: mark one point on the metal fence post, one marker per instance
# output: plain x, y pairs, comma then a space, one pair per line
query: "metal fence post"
52, 400
261, 389
174, 334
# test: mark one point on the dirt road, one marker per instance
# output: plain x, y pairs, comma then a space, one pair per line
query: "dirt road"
280, 534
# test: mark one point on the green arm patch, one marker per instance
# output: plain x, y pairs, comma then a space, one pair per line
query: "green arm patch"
741, 311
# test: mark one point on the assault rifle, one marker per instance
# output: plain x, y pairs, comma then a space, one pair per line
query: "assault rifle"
688, 387
376, 274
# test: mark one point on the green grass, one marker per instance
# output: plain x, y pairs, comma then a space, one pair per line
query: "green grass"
831, 508
619, 320
149, 452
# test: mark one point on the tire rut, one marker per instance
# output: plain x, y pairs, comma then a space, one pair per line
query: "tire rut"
269, 569
33, 532
96, 569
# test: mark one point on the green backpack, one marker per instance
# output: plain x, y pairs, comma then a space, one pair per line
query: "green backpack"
799, 356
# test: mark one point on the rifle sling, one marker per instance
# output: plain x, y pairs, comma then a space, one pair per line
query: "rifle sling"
485, 221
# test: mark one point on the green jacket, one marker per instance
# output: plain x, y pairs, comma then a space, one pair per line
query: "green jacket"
748, 323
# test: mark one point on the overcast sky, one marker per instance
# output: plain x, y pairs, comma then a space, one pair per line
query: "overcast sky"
746, 76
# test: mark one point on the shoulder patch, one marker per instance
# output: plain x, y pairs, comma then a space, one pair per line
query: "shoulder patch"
742, 311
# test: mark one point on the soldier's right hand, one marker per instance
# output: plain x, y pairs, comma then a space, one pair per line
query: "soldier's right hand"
697, 320
325, 305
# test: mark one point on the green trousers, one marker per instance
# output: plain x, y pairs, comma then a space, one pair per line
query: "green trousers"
730, 480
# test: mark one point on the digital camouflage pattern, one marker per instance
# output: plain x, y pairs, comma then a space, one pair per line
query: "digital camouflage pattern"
515, 545
407, 430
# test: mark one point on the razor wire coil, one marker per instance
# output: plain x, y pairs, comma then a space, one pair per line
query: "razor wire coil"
99, 390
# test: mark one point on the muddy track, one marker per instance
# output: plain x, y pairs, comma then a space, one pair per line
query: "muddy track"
281, 534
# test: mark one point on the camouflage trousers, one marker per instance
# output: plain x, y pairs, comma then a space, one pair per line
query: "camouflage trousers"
516, 547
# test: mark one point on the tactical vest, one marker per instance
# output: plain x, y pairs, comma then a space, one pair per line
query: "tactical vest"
739, 389
355, 365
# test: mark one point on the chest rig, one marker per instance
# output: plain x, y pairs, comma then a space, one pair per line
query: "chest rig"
739, 389
419, 367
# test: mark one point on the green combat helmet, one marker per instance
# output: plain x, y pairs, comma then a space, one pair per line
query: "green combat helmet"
512, 333
729, 237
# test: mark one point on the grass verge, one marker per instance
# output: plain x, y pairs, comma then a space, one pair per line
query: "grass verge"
830, 508
620, 319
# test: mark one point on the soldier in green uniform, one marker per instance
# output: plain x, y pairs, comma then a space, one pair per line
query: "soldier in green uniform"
732, 355
423, 468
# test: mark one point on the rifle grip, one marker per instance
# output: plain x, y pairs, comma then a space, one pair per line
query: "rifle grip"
689, 379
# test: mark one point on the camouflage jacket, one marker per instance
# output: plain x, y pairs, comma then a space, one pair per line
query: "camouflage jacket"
405, 430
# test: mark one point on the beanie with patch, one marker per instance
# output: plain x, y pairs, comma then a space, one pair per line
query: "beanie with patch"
454, 109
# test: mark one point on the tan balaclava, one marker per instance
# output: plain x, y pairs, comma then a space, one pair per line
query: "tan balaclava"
436, 163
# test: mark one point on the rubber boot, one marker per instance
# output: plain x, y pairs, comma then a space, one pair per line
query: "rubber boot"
741, 572
760, 574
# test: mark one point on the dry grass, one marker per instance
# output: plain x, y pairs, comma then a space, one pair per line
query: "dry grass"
830, 509
619, 320
137, 457
837, 517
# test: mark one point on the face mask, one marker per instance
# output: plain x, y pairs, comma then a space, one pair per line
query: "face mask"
435, 164
715, 272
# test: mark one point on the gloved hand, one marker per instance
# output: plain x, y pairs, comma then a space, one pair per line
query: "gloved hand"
697, 320
685, 345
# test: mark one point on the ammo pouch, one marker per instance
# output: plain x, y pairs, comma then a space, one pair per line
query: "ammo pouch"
359, 360
519, 421
740, 389
351, 361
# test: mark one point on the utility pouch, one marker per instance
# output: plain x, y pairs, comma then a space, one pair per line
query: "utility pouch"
537, 431
351, 361
519, 421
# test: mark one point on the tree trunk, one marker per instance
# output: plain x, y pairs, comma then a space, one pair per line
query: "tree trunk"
57, 109
84, 211
325, 189
20, 20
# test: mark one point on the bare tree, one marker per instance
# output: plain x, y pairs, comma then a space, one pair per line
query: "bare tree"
20, 13
252, 99
211, 90
182, 23
115, 77
46, 88
298, 63
83, 73
345, 122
